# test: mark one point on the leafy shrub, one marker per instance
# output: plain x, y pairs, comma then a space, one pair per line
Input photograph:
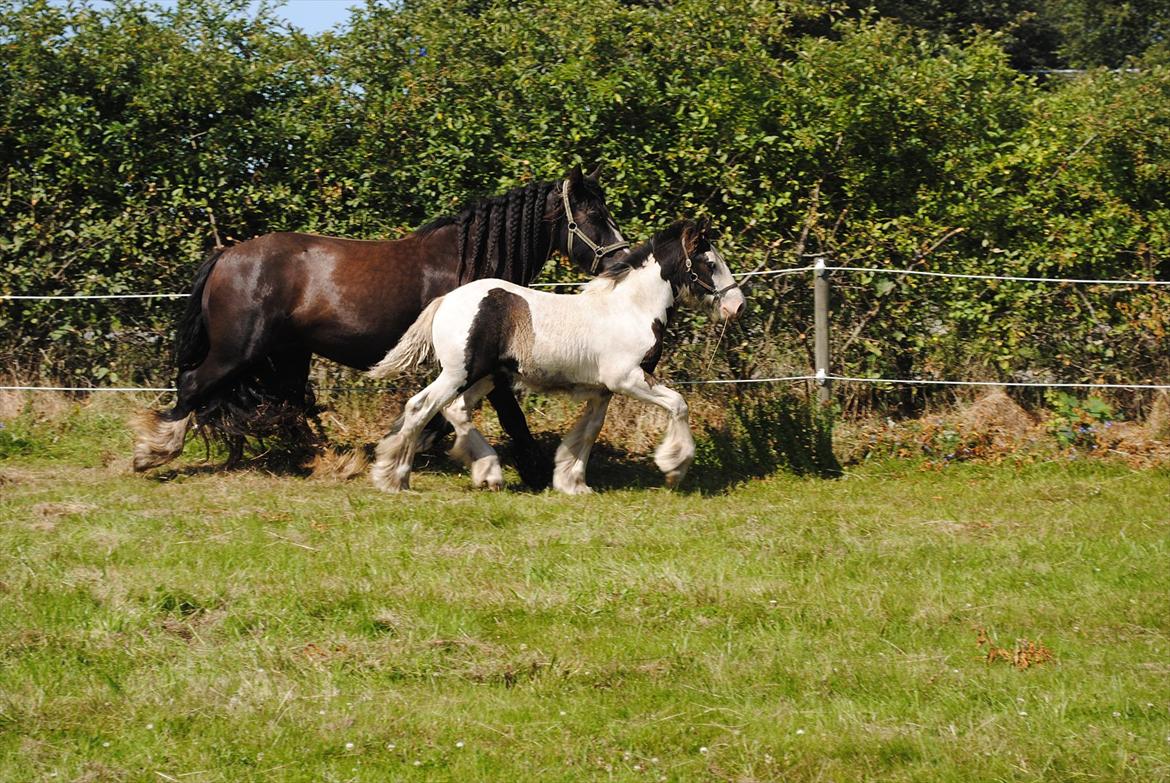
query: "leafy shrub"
135, 137
1075, 421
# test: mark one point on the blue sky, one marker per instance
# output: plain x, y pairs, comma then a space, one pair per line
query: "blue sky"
315, 16
312, 16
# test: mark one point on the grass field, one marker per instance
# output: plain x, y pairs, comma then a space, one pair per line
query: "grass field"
205, 626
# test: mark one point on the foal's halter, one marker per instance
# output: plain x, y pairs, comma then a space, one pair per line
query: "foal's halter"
599, 251
716, 292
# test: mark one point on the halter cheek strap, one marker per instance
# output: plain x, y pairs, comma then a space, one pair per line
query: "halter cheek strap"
599, 251
695, 279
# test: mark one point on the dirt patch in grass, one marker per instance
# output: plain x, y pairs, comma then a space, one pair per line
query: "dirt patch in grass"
192, 626
1025, 654
55, 510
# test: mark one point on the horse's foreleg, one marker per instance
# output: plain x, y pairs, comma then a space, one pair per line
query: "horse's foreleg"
530, 462
677, 450
573, 453
470, 447
395, 452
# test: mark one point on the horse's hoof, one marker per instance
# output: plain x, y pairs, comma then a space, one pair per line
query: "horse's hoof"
391, 480
394, 487
158, 440
571, 486
486, 473
144, 463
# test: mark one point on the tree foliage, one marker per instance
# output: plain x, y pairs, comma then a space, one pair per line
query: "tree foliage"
134, 138
1041, 34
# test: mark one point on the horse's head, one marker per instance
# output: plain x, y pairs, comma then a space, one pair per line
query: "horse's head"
583, 228
702, 273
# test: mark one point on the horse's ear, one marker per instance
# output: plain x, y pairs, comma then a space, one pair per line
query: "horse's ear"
692, 231
595, 175
574, 175
704, 226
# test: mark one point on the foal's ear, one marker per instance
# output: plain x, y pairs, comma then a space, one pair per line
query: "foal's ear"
703, 226
595, 175
574, 175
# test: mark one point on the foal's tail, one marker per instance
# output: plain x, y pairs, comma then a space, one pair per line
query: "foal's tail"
413, 349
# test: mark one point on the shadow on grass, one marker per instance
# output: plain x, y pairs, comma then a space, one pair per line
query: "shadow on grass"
299, 462
763, 434
760, 435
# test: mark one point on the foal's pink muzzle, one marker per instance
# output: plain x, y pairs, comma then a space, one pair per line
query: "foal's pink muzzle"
731, 305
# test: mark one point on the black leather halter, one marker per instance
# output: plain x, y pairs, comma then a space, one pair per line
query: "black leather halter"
716, 292
599, 251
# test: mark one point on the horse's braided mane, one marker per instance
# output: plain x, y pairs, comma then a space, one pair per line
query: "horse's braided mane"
499, 236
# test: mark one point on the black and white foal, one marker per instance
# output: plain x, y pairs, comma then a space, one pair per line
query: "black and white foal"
605, 339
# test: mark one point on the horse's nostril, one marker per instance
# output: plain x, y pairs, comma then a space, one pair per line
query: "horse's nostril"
730, 310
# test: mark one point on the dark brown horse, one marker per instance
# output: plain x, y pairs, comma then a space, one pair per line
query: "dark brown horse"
259, 311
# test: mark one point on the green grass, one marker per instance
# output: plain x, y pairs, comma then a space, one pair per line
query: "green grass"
238, 627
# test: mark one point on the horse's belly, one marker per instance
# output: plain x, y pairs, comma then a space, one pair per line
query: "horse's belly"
559, 373
355, 349
551, 381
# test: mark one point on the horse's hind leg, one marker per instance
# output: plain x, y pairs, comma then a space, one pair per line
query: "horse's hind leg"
159, 437
470, 447
395, 453
530, 462
573, 453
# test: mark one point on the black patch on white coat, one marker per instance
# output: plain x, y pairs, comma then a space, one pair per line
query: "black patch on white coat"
500, 338
654, 354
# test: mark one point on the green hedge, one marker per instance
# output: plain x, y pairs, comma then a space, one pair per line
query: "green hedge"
133, 137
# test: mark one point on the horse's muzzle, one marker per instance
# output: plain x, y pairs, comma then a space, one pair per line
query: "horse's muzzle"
731, 305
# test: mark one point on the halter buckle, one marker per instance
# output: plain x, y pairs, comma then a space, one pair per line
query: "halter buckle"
599, 251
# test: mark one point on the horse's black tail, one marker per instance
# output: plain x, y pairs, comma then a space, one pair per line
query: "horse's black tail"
191, 341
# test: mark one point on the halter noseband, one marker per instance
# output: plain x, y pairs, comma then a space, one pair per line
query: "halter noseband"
599, 251
716, 292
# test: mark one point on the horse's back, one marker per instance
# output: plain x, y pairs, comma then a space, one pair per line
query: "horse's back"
549, 341
346, 299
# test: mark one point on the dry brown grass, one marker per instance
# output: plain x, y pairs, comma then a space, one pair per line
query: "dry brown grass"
993, 427
40, 405
997, 413
990, 427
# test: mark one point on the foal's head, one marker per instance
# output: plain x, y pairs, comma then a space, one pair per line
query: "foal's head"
695, 269
583, 229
